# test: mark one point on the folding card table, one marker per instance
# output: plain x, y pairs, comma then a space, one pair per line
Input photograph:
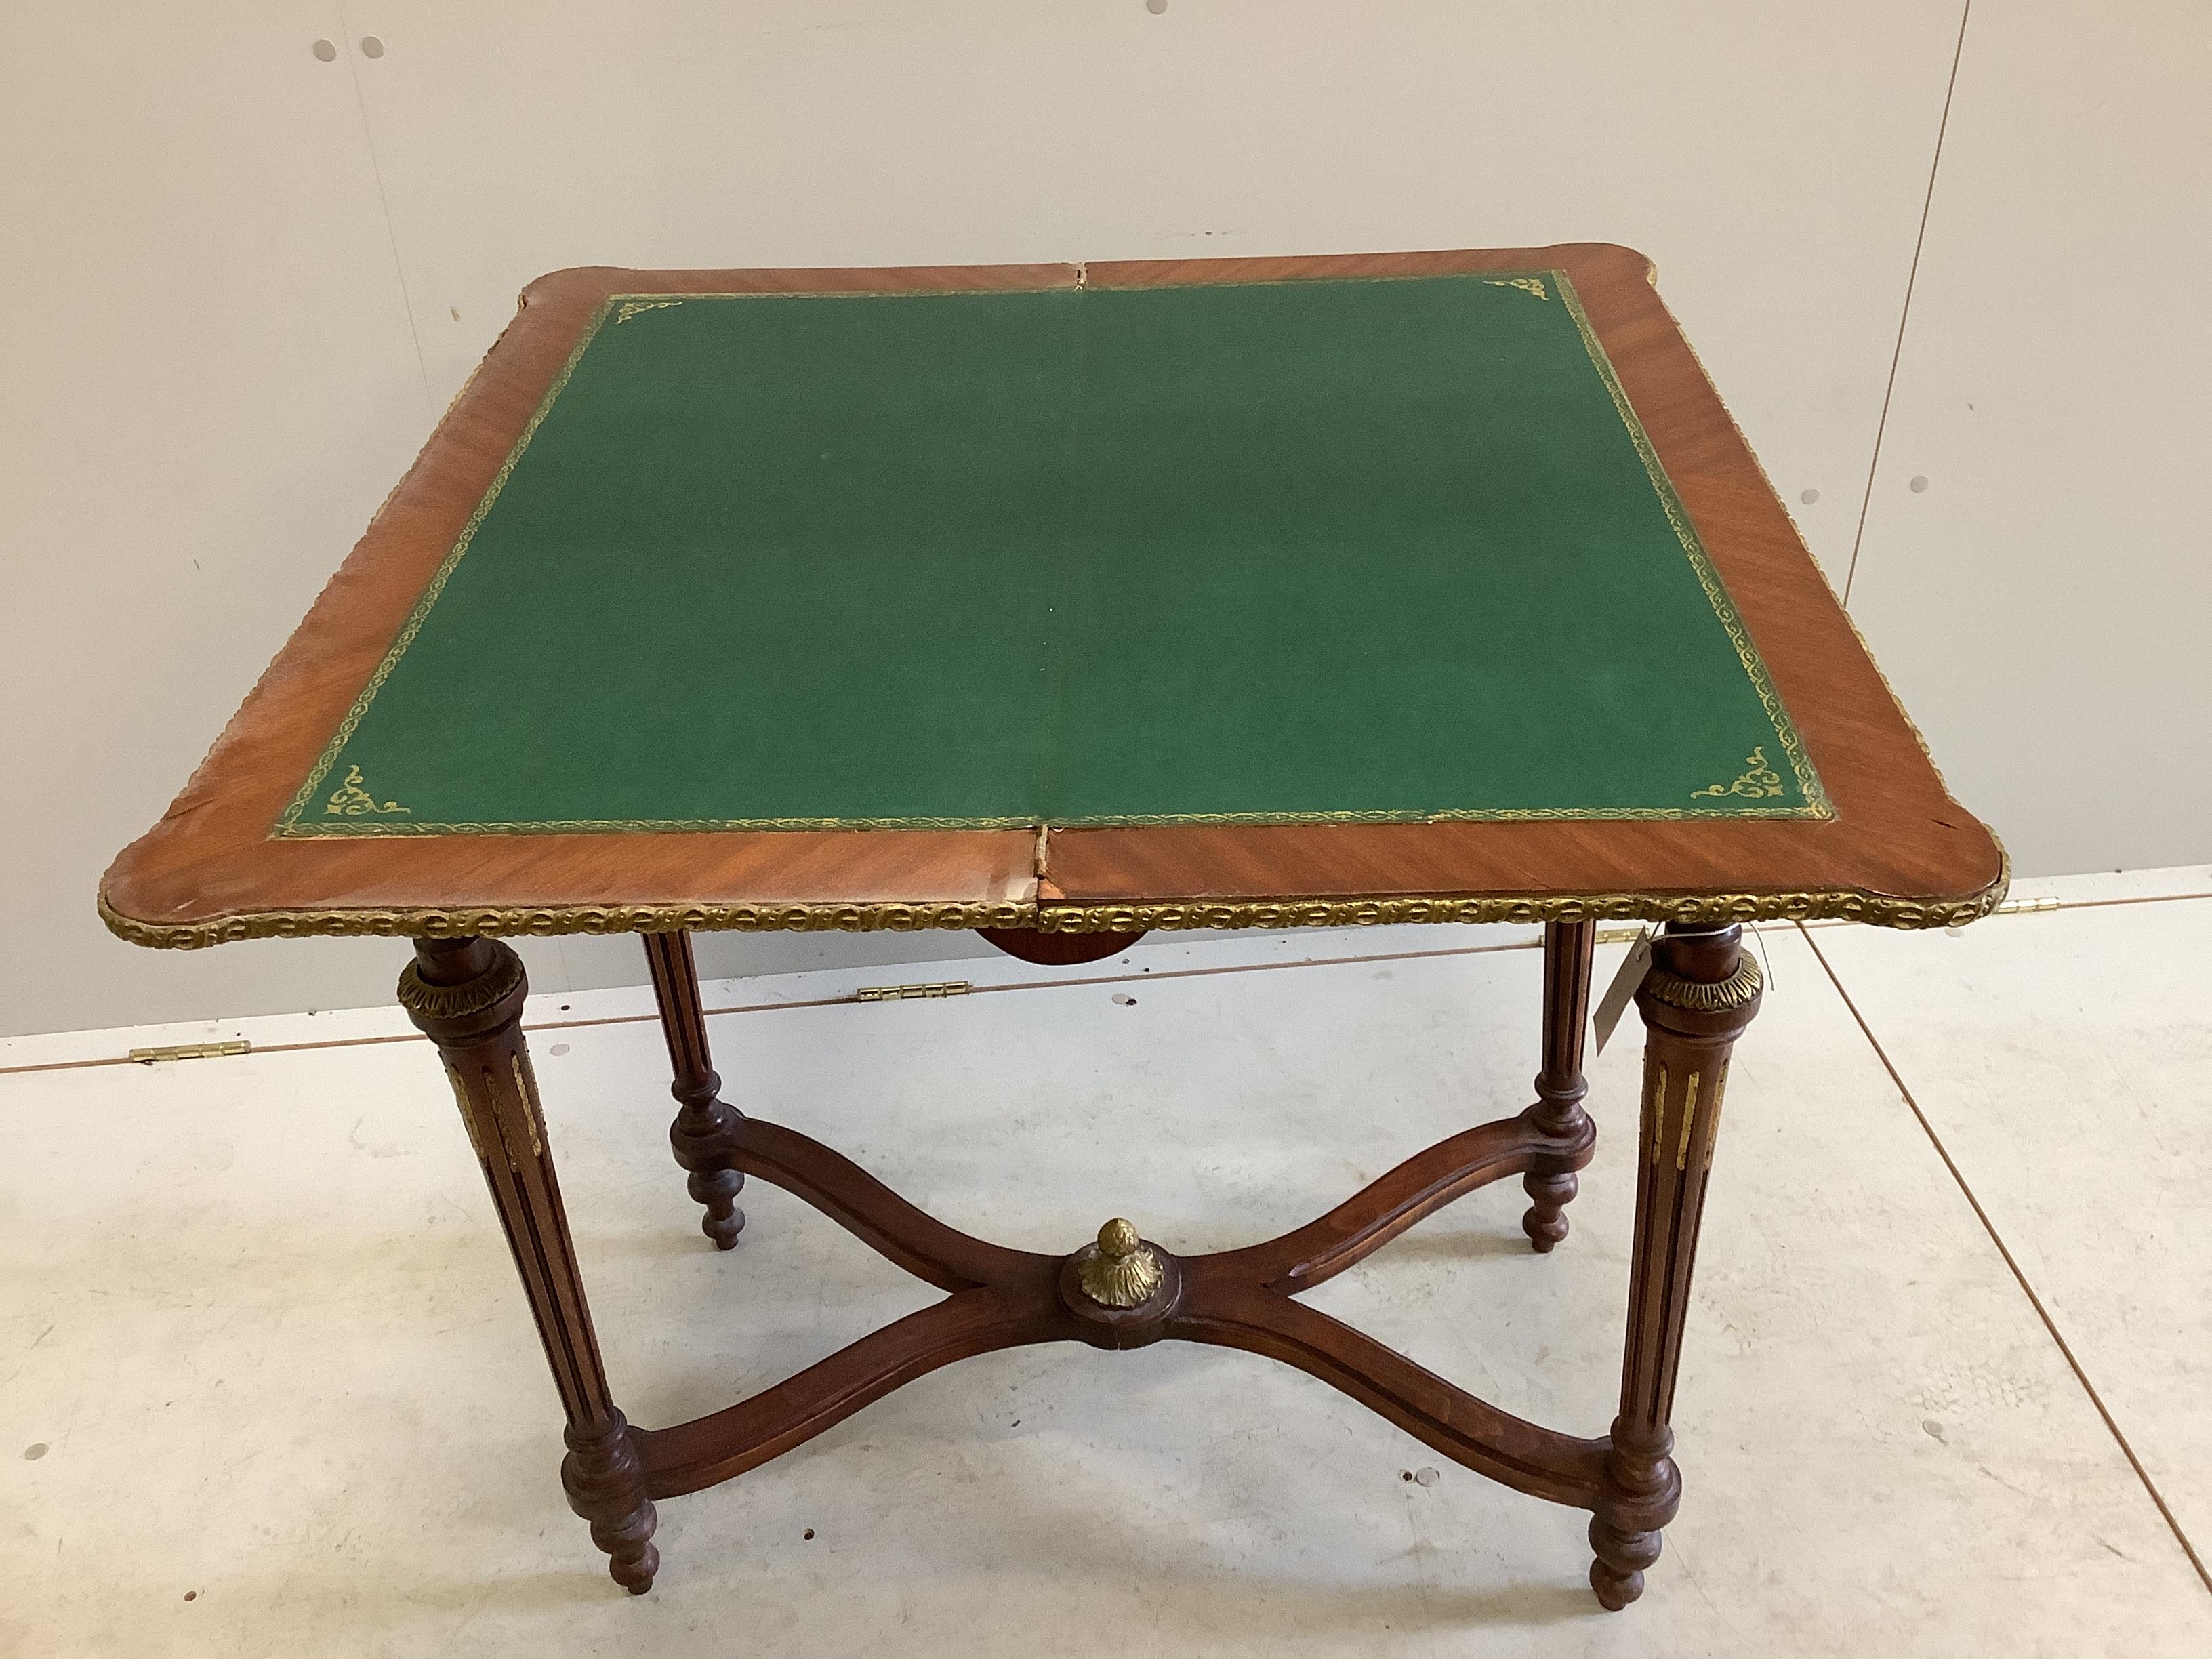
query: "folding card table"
1067, 602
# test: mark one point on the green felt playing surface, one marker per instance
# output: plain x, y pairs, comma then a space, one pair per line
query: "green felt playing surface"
1272, 552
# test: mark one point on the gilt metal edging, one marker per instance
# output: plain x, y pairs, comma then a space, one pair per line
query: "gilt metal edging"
1270, 915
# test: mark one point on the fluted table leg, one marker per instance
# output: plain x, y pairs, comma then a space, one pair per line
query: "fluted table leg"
1551, 1181
1699, 994
467, 995
706, 1125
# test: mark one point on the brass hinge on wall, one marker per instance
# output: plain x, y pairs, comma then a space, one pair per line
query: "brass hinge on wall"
950, 987
191, 1051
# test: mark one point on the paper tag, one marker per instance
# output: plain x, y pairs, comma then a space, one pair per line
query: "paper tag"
1615, 1003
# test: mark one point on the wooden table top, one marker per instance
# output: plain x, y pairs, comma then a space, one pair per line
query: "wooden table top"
1214, 592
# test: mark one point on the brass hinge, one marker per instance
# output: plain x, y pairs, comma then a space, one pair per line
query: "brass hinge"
1618, 935
191, 1051
950, 987
2025, 906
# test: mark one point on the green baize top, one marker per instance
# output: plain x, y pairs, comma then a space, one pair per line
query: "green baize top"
1299, 551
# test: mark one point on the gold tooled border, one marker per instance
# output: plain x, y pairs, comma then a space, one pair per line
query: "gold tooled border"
1817, 803
383, 828
622, 306
1875, 909
286, 825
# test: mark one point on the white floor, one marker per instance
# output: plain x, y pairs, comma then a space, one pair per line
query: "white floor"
266, 1387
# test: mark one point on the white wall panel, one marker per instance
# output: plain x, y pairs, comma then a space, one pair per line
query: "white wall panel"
2041, 604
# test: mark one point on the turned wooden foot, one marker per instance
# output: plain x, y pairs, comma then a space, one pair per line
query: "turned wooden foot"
1551, 1183
1617, 1574
467, 995
1643, 1488
699, 1142
704, 1135
1699, 994
605, 1484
